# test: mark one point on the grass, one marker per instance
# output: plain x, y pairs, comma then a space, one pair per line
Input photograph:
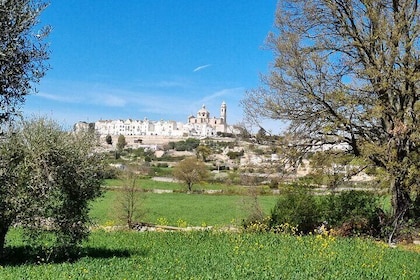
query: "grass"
145, 184
207, 254
194, 209
217, 255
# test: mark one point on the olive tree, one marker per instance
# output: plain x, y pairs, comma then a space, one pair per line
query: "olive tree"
348, 71
121, 143
48, 177
23, 52
108, 139
190, 171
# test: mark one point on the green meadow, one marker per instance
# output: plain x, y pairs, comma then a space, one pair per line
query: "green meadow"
222, 255
206, 254
194, 209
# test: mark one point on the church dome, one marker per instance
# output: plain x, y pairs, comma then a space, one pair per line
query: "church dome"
203, 112
203, 109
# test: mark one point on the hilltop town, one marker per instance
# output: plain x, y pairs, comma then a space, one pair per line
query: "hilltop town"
201, 125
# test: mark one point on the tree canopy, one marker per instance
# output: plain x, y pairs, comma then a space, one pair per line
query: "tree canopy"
23, 52
190, 171
348, 71
48, 177
121, 142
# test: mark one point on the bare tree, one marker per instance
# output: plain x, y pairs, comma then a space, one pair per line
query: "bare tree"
130, 200
348, 71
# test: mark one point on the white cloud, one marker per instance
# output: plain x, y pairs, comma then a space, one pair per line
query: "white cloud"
110, 100
229, 92
59, 98
199, 68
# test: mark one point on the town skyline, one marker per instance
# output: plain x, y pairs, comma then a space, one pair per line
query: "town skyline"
160, 59
200, 125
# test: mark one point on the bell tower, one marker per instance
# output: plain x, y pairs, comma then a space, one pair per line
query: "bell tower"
223, 113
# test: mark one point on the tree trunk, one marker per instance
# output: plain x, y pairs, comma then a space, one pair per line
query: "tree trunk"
3, 232
401, 202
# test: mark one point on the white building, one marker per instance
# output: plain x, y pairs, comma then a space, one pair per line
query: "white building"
201, 125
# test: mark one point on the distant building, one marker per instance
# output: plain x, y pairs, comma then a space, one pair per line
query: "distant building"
201, 125
131, 127
204, 125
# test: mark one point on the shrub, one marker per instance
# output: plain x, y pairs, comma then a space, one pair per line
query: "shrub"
297, 207
110, 172
353, 212
235, 155
274, 184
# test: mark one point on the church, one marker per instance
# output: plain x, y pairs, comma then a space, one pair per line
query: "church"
204, 125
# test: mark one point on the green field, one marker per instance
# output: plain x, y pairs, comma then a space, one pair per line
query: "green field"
207, 254
216, 255
194, 209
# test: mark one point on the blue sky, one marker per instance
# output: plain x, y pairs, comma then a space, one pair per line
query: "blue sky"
151, 58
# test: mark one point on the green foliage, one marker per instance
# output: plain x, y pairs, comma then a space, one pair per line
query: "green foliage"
192, 143
235, 155
203, 152
108, 139
54, 177
185, 145
121, 143
170, 146
162, 170
350, 212
254, 213
141, 153
23, 52
296, 206
356, 212
190, 171
110, 172
274, 183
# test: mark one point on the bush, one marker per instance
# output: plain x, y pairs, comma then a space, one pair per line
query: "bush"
187, 145
274, 184
110, 172
297, 207
353, 212
235, 155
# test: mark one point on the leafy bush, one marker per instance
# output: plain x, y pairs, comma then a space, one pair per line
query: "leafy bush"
353, 212
297, 207
187, 145
110, 172
274, 184
235, 155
